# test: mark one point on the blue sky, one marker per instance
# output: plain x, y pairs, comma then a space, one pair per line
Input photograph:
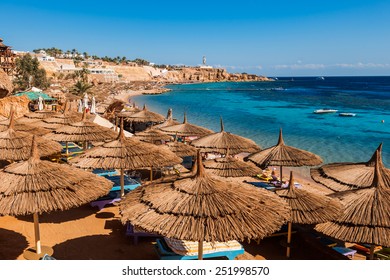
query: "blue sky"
272, 38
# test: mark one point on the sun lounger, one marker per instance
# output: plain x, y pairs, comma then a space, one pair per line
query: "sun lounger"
383, 254
229, 250
263, 185
130, 184
103, 172
135, 233
345, 251
111, 198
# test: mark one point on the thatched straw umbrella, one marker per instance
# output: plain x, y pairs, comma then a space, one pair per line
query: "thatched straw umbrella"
182, 149
169, 121
283, 155
82, 131
307, 207
36, 186
366, 215
36, 116
186, 129
348, 175
204, 207
153, 136
16, 145
219, 142
145, 116
126, 154
231, 167
23, 127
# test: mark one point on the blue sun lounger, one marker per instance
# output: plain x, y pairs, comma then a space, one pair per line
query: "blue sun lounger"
165, 253
104, 172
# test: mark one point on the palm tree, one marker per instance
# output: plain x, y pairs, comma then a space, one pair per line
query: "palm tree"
80, 88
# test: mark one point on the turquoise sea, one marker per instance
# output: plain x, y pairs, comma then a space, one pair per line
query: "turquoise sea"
258, 109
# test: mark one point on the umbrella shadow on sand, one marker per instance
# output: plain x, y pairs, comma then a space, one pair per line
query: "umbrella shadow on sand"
12, 244
115, 246
58, 217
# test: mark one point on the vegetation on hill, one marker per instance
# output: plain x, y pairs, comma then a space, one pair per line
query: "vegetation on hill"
28, 74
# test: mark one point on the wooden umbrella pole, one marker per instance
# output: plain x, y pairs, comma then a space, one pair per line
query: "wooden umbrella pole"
281, 175
151, 173
122, 181
37, 234
67, 149
372, 247
200, 250
289, 240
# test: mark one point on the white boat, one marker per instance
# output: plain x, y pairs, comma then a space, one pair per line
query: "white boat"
320, 78
324, 111
347, 114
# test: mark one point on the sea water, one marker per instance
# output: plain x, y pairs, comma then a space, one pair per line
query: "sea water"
257, 110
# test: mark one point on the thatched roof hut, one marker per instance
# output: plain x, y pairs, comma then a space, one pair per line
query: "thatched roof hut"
186, 129
219, 142
283, 155
345, 176
204, 208
366, 215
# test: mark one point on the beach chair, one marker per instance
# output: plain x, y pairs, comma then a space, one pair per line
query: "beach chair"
348, 252
263, 185
174, 249
111, 198
135, 233
103, 172
383, 254
130, 184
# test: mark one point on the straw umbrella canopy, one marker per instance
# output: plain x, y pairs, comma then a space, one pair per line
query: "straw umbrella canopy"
186, 129
36, 186
145, 116
126, 154
307, 207
33, 117
283, 155
204, 207
366, 215
16, 145
23, 127
231, 167
348, 175
169, 121
182, 149
219, 142
152, 136
81, 131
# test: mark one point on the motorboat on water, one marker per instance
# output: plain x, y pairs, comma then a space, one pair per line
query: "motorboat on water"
347, 114
320, 78
324, 111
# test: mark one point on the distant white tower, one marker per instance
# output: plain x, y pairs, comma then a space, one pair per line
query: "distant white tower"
204, 60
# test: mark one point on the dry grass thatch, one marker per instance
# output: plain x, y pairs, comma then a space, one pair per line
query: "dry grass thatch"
181, 149
32, 117
36, 186
145, 116
283, 155
348, 175
31, 129
16, 145
83, 130
186, 129
366, 215
204, 208
126, 153
153, 136
308, 207
169, 121
231, 167
219, 142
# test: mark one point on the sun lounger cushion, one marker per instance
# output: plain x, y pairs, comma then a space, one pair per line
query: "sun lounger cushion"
190, 248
